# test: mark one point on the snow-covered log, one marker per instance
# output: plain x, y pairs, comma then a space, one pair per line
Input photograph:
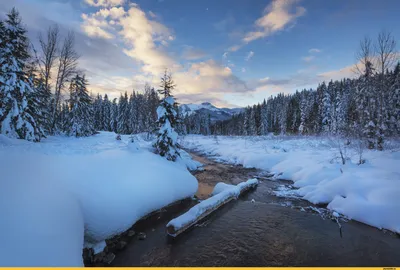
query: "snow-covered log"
206, 207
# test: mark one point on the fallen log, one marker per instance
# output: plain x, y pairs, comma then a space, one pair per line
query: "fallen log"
198, 212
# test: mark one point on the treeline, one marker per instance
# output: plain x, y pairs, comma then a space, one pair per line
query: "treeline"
127, 115
43, 92
367, 107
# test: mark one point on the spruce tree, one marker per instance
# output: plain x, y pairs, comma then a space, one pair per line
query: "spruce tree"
166, 144
18, 117
81, 110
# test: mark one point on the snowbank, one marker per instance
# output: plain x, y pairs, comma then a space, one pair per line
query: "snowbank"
366, 192
55, 191
222, 194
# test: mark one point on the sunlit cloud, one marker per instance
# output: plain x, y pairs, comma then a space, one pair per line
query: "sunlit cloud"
104, 3
277, 15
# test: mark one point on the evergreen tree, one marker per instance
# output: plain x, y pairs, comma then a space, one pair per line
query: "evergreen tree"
81, 110
18, 114
166, 144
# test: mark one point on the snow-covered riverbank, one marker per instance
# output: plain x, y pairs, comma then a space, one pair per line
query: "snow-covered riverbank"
367, 193
63, 193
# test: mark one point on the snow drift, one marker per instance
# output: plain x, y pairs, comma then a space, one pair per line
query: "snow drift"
55, 192
367, 193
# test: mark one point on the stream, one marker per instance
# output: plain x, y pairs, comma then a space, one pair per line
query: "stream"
261, 228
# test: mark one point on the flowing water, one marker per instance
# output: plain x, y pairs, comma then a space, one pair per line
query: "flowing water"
262, 229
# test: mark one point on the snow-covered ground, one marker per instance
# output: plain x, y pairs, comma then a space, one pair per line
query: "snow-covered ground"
63, 193
368, 193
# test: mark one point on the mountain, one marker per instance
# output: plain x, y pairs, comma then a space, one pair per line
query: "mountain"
216, 114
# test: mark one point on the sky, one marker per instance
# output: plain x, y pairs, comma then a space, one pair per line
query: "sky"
231, 53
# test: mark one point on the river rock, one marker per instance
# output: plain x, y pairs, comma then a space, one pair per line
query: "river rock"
142, 236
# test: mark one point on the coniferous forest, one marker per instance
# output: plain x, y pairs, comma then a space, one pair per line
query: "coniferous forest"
44, 92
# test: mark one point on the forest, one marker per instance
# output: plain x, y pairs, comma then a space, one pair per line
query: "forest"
43, 92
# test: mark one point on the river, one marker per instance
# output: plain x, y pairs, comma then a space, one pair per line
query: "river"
261, 229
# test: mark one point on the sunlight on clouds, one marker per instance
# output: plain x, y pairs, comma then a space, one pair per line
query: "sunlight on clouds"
277, 16
95, 25
105, 3
140, 35
146, 41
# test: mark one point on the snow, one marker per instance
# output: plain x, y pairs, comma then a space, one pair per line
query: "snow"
367, 193
63, 193
222, 193
219, 187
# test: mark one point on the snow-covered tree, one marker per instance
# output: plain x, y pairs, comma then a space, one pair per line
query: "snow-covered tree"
81, 110
18, 117
264, 119
166, 144
123, 118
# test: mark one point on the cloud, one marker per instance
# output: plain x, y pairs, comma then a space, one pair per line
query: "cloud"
225, 55
234, 48
145, 40
243, 70
249, 55
191, 53
94, 25
277, 15
105, 3
345, 72
314, 50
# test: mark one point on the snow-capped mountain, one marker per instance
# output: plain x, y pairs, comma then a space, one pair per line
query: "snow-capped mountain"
207, 108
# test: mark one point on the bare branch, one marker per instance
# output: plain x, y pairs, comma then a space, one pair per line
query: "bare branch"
49, 48
67, 67
385, 50
363, 56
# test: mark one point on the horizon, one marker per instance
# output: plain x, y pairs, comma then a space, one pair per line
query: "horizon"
229, 53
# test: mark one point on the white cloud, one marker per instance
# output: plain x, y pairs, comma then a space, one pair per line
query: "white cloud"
249, 55
243, 70
145, 40
277, 16
141, 36
314, 50
225, 55
105, 3
94, 25
191, 53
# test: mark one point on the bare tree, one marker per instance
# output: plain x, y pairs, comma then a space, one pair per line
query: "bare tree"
364, 57
49, 46
386, 57
67, 64
385, 50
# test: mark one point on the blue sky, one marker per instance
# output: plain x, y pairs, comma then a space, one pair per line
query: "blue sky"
228, 52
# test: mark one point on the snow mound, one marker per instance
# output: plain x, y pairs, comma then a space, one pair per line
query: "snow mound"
219, 187
65, 193
41, 222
